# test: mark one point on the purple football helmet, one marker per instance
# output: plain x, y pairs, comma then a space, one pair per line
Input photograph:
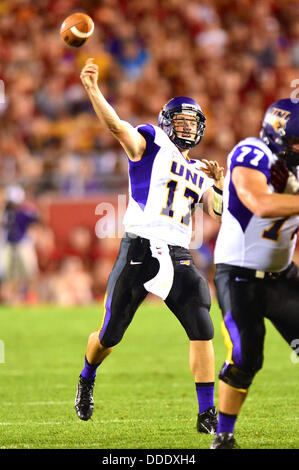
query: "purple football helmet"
182, 105
280, 130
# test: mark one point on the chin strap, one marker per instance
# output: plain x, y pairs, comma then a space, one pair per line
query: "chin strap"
217, 201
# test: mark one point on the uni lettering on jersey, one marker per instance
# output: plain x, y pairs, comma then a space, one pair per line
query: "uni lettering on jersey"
173, 169
193, 176
189, 175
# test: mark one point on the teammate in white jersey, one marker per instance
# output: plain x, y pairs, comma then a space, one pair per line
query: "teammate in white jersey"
165, 186
255, 276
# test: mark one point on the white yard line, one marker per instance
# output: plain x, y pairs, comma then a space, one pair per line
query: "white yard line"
59, 423
100, 421
37, 403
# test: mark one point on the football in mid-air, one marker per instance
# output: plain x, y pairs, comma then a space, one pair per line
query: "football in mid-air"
77, 29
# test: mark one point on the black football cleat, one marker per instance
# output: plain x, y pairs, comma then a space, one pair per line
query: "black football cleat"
84, 398
207, 421
224, 440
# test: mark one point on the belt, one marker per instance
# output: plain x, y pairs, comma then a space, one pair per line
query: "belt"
267, 275
257, 274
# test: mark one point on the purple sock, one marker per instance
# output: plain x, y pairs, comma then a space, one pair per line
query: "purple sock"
226, 423
89, 371
205, 395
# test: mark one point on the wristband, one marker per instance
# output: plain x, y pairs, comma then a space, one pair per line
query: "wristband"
217, 203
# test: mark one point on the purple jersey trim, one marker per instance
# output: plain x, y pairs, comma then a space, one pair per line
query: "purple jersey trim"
237, 208
140, 172
249, 157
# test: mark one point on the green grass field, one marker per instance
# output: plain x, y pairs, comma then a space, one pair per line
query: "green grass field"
144, 394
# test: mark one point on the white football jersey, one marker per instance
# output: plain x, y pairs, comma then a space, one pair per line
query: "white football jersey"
265, 244
164, 187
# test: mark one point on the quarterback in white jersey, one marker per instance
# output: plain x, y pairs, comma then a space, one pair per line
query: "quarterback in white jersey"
255, 275
165, 186
162, 187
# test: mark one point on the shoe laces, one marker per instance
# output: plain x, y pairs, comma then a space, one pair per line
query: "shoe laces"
85, 391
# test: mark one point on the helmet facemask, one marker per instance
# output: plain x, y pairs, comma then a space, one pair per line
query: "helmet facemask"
286, 148
290, 152
178, 123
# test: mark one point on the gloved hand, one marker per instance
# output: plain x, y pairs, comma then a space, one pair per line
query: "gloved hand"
279, 176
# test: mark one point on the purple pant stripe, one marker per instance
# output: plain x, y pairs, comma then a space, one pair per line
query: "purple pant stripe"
235, 338
107, 317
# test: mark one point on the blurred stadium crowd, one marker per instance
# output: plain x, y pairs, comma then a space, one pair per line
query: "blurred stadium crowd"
233, 56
